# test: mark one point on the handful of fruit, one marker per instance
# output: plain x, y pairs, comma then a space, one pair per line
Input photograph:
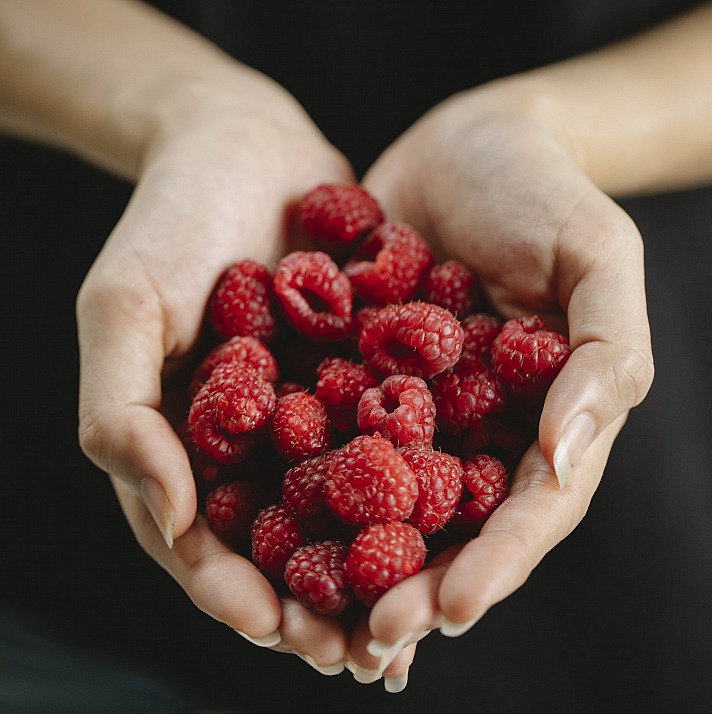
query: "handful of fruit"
362, 408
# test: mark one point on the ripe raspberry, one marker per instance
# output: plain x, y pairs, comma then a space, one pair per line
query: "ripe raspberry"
340, 212
480, 330
369, 482
415, 338
465, 394
315, 295
303, 491
486, 486
401, 259
237, 349
451, 285
340, 386
528, 356
316, 575
241, 302
207, 471
381, 556
400, 409
439, 487
299, 426
289, 388
232, 508
229, 410
275, 535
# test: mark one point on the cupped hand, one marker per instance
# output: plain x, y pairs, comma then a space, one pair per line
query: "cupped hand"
501, 193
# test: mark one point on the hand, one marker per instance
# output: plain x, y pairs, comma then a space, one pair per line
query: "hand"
502, 194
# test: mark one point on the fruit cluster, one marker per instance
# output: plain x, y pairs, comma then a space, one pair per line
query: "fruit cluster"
361, 408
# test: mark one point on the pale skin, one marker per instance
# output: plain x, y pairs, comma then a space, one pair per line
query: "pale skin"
512, 178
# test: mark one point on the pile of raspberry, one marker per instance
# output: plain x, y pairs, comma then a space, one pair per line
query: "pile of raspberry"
360, 407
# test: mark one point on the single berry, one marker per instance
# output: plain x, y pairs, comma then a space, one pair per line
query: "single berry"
480, 331
275, 535
340, 386
209, 473
315, 295
229, 410
394, 274
368, 481
414, 338
451, 285
299, 426
289, 388
241, 303
401, 409
486, 486
316, 576
439, 487
382, 555
339, 212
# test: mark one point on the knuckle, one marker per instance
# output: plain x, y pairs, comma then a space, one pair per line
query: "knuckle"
634, 376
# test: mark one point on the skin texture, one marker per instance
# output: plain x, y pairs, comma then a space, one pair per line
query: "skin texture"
510, 178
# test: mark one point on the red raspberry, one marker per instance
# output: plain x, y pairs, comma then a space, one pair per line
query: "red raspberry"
528, 356
465, 394
340, 212
207, 471
451, 285
299, 426
439, 487
237, 349
480, 330
275, 535
315, 295
303, 491
401, 409
316, 575
232, 508
486, 486
401, 259
340, 386
241, 302
381, 556
369, 482
289, 388
229, 410
415, 338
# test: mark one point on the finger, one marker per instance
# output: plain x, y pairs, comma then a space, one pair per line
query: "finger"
221, 583
611, 367
530, 522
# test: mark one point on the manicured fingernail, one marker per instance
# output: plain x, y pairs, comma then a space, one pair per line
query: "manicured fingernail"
159, 507
274, 638
396, 684
281, 648
389, 651
329, 669
367, 676
455, 629
577, 437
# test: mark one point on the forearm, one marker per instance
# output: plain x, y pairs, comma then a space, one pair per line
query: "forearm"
636, 116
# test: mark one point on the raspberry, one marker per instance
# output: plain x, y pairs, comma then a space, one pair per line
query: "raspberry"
299, 426
241, 302
316, 576
207, 471
415, 338
401, 259
465, 394
369, 482
439, 487
486, 486
232, 508
340, 212
480, 330
381, 556
303, 491
451, 285
275, 535
237, 349
315, 295
401, 409
229, 410
527, 356
340, 386
289, 388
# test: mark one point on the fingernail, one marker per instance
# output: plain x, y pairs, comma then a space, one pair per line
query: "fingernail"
577, 437
455, 629
396, 684
159, 507
329, 669
367, 676
386, 651
274, 638
280, 648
